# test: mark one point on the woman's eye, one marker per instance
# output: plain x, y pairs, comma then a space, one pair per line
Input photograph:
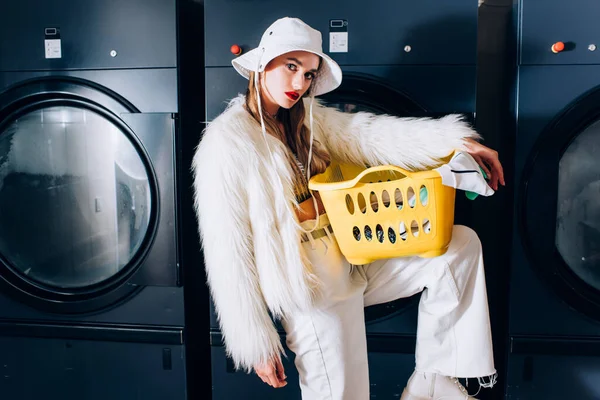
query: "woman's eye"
309, 76
291, 67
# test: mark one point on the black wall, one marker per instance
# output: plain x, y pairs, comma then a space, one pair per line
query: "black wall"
191, 120
493, 215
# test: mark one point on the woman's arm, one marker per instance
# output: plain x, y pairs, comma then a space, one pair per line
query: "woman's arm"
412, 143
488, 160
220, 203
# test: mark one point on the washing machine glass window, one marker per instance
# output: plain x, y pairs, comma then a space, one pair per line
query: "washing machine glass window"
74, 197
578, 208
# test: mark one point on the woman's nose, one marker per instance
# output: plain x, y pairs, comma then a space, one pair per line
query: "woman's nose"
297, 82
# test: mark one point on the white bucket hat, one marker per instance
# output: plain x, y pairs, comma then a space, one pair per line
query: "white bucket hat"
286, 35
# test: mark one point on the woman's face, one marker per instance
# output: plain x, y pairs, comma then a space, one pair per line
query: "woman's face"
287, 78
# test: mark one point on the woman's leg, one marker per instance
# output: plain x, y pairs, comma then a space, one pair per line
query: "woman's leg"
453, 334
329, 342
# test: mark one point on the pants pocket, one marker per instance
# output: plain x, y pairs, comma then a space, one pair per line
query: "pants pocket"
449, 279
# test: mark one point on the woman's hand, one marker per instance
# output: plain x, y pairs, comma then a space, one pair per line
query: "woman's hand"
488, 160
306, 210
272, 373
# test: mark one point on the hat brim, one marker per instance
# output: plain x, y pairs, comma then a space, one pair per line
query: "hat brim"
328, 79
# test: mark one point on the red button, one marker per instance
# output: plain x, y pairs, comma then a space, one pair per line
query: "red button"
235, 49
558, 47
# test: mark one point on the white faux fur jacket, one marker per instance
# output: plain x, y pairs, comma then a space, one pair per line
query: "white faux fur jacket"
249, 231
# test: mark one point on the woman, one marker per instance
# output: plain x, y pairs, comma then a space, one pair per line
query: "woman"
270, 252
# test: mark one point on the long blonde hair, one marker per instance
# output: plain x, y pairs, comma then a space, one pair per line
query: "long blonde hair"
295, 135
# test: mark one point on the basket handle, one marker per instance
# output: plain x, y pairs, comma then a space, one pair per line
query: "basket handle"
351, 183
382, 168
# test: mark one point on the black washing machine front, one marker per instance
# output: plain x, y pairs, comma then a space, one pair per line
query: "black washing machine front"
391, 327
554, 298
555, 286
398, 62
89, 251
561, 232
400, 90
89, 163
90, 201
87, 207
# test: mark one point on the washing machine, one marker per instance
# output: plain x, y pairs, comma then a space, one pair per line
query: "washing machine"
555, 280
401, 58
91, 296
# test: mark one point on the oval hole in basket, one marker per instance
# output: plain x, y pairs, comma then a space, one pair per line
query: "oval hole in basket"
402, 231
391, 235
423, 195
362, 204
368, 233
356, 233
426, 225
410, 194
414, 228
380, 233
398, 199
385, 198
374, 202
349, 204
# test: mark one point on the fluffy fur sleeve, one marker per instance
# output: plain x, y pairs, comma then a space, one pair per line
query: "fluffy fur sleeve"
220, 197
412, 143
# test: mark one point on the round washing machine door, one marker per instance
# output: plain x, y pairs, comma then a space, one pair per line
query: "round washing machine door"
365, 93
559, 205
79, 199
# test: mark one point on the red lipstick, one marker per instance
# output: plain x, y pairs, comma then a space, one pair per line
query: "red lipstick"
292, 95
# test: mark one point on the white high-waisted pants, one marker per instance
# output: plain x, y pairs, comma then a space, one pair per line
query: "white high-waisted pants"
453, 334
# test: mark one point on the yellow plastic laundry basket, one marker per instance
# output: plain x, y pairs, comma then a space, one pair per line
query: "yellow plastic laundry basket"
386, 211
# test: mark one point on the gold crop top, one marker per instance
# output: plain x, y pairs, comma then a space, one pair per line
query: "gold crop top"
300, 183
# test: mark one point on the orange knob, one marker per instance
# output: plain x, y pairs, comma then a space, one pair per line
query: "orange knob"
235, 49
558, 47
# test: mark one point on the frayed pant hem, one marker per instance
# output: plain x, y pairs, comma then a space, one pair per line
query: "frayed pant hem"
485, 380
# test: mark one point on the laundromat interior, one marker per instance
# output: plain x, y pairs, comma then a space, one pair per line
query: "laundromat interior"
122, 278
